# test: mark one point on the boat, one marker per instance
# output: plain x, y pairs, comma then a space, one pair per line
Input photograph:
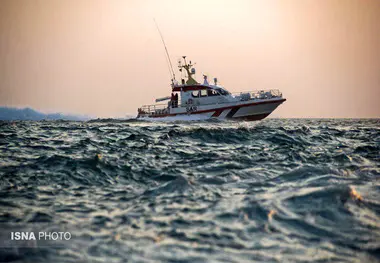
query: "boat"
211, 100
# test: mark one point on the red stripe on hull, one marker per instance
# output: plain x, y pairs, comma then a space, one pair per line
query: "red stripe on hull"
217, 113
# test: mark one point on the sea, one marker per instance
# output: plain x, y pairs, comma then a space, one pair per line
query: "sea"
277, 190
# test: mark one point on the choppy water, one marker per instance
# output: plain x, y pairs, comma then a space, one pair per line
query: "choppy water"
270, 191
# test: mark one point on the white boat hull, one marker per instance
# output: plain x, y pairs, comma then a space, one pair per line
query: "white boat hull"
244, 110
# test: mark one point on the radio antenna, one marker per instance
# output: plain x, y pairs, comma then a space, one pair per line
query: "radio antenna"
166, 50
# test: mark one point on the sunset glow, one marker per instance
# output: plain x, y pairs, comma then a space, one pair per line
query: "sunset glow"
105, 58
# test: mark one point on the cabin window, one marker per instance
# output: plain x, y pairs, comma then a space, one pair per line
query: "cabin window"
223, 92
204, 93
213, 93
195, 93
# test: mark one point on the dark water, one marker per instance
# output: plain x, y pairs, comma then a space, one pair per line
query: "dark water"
270, 191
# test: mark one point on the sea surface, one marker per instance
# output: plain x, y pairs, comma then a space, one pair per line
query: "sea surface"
278, 190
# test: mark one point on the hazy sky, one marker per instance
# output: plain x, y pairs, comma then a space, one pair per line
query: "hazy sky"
105, 58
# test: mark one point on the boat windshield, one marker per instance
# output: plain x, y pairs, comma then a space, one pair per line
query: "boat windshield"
222, 91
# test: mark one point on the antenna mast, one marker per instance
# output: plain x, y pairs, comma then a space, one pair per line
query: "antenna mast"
166, 50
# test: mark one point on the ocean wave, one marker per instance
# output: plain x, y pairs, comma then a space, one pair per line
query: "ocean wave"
195, 190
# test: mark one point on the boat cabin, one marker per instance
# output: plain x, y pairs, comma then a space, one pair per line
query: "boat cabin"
192, 92
190, 96
201, 94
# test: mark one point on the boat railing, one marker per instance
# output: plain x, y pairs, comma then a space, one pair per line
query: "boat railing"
154, 109
258, 94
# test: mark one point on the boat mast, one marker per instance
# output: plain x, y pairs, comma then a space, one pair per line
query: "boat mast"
167, 53
188, 67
